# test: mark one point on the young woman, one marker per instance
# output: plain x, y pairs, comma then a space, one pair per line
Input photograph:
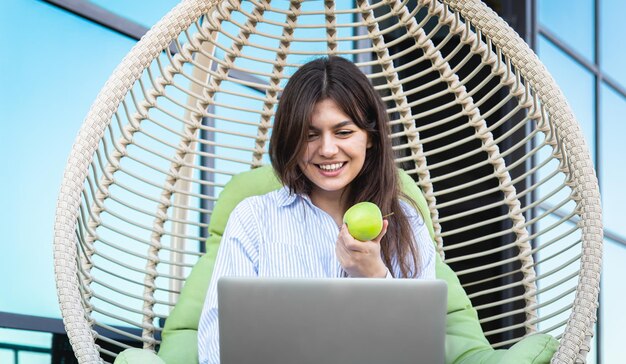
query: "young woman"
330, 147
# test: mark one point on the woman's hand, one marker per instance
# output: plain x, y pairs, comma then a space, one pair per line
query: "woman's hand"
361, 258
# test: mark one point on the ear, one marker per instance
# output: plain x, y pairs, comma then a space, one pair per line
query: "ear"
369, 141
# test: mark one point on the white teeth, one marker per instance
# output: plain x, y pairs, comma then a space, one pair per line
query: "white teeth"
331, 167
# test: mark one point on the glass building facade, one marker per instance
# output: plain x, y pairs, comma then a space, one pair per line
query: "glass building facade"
58, 54
581, 49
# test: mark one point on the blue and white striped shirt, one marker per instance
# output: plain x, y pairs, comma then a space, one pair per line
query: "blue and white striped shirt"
284, 235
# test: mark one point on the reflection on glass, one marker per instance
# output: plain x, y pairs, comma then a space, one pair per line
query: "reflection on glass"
571, 21
50, 87
146, 13
612, 34
613, 298
32, 339
613, 174
27, 338
6, 356
33, 358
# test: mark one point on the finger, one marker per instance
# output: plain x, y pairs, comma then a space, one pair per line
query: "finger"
344, 255
352, 244
344, 232
345, 236
343, 239
382, 232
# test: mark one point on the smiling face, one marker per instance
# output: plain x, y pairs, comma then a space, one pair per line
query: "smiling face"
335, 150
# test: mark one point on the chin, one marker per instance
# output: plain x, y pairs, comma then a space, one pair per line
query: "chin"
332, 187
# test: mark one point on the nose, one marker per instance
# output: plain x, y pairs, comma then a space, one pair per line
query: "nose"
328, 147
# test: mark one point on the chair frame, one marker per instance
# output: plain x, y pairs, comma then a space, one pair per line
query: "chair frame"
575, 341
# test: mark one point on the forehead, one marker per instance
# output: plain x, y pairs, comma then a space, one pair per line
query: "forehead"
327, 113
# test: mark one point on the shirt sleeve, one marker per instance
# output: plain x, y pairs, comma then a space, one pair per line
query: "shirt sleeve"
237, 256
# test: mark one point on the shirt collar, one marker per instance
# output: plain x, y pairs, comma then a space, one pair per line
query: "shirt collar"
285, 197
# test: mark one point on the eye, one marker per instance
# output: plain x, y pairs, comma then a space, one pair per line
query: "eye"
344, 133
312, 135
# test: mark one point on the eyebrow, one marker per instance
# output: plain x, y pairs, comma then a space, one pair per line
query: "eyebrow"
336, 126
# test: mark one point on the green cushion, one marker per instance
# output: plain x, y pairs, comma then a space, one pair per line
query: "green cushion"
180, 346
182, 324
137, 356
465, 341
534, 349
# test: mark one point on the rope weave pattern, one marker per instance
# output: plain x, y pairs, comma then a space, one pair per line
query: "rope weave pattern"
475, 117
408, 120
581, 171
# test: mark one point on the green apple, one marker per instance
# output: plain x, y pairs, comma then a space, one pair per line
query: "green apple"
364, 220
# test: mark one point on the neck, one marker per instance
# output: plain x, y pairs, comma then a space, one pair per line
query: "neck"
333, 203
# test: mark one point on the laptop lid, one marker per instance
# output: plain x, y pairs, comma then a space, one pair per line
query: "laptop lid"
331, 320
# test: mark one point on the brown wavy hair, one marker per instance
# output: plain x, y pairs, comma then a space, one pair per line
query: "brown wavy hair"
340, 80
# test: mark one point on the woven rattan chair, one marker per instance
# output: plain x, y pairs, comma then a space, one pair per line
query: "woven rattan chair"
477, 121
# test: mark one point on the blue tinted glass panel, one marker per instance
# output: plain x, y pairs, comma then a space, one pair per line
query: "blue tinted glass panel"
612, 174
613, 298
6, 356
143, 12
576, 83
25, 338
612, 171
33, 358
571, 21
612, 33
54, 77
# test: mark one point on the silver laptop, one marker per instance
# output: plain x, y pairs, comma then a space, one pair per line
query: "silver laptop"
331, 320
